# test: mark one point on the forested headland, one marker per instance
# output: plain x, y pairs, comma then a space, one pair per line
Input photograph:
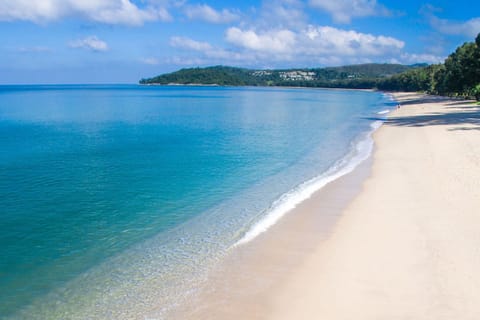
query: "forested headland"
459, 75
362, 76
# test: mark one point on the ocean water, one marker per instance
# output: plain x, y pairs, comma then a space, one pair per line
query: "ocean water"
116, 200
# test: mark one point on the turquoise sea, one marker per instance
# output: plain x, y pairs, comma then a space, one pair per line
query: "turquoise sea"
115, 200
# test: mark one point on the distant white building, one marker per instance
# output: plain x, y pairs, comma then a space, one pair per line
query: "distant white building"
261, 73
297, 75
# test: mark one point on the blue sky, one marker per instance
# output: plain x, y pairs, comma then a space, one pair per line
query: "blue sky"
121, 41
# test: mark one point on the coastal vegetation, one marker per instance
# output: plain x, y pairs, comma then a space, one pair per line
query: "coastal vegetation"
459, 75
362, 76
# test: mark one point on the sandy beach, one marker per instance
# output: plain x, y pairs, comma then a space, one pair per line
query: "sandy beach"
398, 238
408, 246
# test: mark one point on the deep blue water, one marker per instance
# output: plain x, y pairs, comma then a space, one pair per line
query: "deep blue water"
109, 190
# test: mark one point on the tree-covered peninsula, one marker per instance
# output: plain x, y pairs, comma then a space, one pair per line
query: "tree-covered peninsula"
459, 75
361, 76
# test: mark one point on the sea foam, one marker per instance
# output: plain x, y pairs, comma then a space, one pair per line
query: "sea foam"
360, 151
383, 111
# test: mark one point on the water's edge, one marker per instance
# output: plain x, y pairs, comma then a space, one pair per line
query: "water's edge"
125, 278
241, 285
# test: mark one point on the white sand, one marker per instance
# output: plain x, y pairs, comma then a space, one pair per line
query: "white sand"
408, 247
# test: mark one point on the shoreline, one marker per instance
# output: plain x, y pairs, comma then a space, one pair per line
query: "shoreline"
146, 289
327, 194
174, 84
239, 287
357, 254
360, 151
405, 247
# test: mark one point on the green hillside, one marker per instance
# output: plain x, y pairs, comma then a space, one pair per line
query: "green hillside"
354, 76
459, 75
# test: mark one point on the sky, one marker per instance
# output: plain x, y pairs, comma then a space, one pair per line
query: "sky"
122, 41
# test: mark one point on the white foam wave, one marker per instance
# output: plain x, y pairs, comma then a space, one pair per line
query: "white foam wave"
361, 150
389, 96
384, 111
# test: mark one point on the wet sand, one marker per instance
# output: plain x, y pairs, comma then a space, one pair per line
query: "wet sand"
243, 283
399, 238
407, 247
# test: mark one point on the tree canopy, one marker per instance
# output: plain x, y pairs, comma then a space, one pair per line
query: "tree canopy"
459, 75
354, 76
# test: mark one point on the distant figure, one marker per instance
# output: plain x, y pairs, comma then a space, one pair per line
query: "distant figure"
398, 106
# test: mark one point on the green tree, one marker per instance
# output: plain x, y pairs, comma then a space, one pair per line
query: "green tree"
437, 79
461, 69
459, 75
476, 92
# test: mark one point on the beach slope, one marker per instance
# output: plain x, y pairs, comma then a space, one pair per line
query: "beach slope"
408, 246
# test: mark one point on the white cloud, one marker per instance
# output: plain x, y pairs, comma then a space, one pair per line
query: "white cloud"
314, 41
104, 11
187, 43
270, 41
208, 52
310, 46
207, 13
282, 14
328, 40
343, 11
188, 61
150, 61
469, 28
411, 58
91, 43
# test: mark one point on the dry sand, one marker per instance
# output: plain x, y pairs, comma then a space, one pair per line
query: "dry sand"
399, 238
408, 246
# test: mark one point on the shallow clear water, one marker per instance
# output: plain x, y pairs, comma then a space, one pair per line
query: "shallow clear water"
115, 200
